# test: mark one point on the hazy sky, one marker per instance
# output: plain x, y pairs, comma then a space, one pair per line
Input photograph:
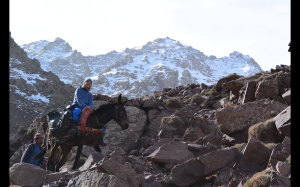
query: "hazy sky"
258, 28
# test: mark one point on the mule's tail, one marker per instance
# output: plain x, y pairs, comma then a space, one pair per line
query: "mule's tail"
41, 153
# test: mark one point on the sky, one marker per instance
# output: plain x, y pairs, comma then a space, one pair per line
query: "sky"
258, 28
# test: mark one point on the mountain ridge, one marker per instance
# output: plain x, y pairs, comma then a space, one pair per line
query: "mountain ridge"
138, 71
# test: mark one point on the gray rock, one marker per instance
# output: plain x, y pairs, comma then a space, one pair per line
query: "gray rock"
266, 89
198, 168
149, 150
241, 117
173, 152
287, 97
283, 122
224, 176
27, 174
119, 167
94, 178
92, 159
149, 178
219, 103
283, 168
119, 151
116, 137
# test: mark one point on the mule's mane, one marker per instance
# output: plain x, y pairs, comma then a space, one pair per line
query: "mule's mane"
104, 107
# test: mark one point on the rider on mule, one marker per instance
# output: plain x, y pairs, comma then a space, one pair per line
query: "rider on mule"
83, 98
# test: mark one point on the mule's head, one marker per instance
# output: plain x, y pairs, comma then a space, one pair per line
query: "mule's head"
122, 119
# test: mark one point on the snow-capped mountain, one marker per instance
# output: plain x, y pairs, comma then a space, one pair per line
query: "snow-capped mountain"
139, 71
32, 91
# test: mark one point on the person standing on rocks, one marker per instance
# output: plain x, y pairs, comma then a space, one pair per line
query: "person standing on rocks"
83, 98
32, 150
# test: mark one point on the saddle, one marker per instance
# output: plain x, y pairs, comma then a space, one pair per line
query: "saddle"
59, 124
82, 129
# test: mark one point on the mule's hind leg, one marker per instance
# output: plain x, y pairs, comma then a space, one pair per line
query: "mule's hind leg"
65, 151
50, 163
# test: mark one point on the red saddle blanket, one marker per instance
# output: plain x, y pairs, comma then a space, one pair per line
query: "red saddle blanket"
85, 114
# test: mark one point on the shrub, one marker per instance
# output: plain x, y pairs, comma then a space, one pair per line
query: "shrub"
283, 80
174, 121
160, 94
265, 132
232, 76
211, 92
240, 146
22, 130
266, 77
173, 102
195, 99
270, 146
260, 179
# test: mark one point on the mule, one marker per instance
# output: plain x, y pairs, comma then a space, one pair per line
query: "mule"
102, 114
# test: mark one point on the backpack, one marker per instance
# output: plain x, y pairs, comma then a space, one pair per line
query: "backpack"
59, 123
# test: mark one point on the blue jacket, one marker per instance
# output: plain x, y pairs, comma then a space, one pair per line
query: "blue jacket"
83, 98
30, 152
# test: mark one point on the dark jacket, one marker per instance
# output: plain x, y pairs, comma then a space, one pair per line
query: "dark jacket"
30, 152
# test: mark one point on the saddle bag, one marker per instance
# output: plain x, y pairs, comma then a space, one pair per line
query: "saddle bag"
59, 123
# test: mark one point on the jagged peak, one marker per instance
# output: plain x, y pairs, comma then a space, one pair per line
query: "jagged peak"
59, 39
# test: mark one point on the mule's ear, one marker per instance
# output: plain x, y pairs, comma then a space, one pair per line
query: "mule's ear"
119, 99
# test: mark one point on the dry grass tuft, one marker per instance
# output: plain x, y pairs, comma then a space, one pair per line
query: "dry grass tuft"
211, 92
266, 131
270, 146
173, 102
232, 76
260, 179
240, 146
194, 99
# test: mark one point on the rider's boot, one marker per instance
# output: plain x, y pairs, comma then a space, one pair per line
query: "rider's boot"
101, 142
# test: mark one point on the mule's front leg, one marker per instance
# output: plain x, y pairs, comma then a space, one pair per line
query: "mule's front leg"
65, 151
79, 149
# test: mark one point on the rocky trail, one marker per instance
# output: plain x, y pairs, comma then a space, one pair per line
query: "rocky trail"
233, 133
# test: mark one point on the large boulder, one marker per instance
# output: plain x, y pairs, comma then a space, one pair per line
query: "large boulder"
283, 122
67, 175
198, 168
116, 137
219, 84
154, 117
235, 85
119, 167
249, 94
16, 157
94, 178
92, 159
241, 117
171, 153
192, 133
27, 174
173, 121
280, 153
266, 89
255, 158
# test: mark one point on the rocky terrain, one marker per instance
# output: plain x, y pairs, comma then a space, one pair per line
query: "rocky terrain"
138, 71
32, 92
235, 132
